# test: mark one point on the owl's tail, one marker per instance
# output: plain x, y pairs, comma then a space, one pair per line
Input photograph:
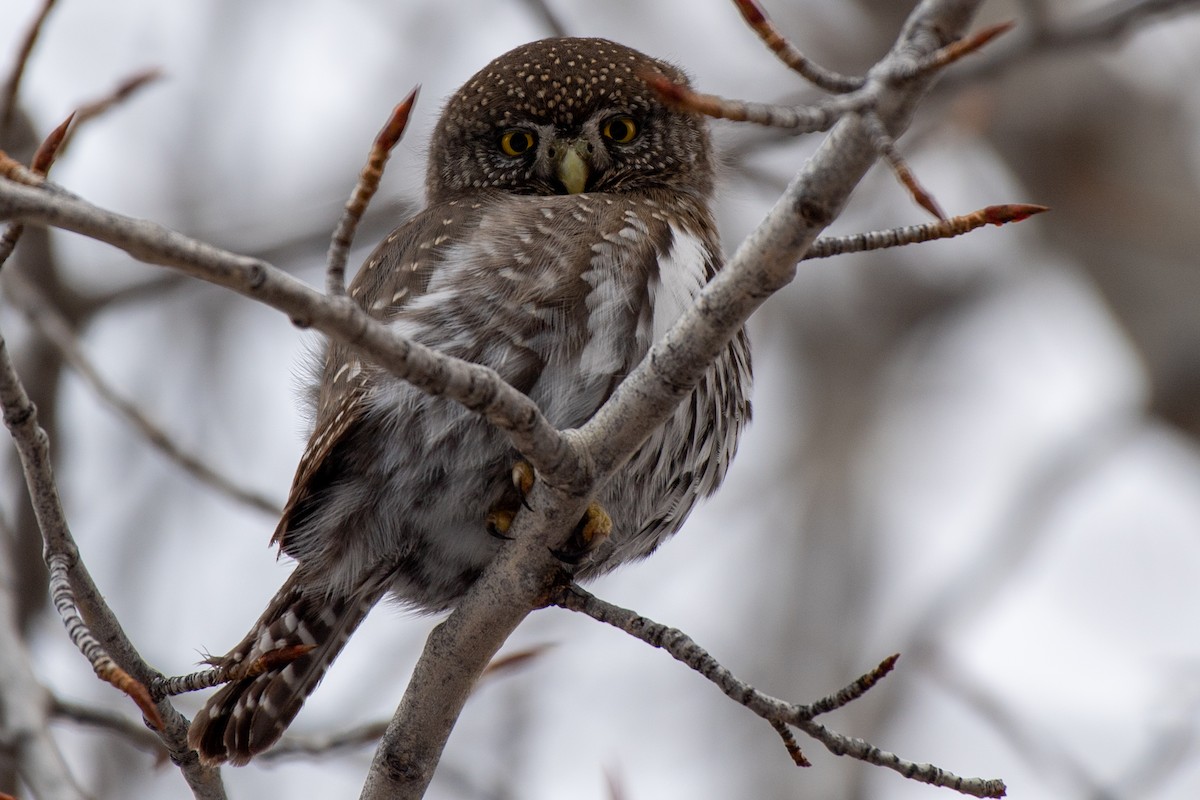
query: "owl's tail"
248, 715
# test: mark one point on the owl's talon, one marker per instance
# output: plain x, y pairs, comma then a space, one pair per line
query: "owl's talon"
500, 518
589, 534
498, 522
522, 479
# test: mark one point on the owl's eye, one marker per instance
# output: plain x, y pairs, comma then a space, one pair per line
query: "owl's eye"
517, 142
622, 129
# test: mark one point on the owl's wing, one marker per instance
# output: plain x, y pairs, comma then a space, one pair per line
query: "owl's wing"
561, 295
396, 272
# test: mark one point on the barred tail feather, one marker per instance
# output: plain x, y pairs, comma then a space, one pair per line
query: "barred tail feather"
249, 715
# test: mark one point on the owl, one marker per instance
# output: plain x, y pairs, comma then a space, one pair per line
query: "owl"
567, 226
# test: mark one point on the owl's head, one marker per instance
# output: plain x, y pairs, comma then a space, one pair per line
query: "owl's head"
561, 116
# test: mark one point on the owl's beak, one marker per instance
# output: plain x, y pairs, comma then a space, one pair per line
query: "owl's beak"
573, 166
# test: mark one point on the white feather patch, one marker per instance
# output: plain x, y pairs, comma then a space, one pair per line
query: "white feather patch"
680, 278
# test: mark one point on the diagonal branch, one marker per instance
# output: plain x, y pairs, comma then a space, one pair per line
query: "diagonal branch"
1108, 23
789, 54
766, 261
57, 330
477, 388
101, 638
826, 247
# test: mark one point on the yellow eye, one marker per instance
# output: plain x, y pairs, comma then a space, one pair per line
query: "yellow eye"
621, 129
517, 142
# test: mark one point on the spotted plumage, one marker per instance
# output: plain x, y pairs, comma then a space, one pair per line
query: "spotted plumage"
567, 227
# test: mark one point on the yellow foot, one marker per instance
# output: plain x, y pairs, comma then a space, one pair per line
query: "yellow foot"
500, 518
589, 534
498, 521
522, 478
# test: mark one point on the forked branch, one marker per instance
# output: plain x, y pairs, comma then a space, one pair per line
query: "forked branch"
778, 713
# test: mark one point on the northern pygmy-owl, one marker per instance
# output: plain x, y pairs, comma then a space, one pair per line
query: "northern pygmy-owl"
567, 227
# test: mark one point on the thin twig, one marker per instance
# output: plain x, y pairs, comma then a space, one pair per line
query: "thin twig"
684, 649
12, 87
206, 679
294, 745
63, 598
364, 190
790, 744
43, 159
795, 119
931, 774
850, 693
1104, 25
885, 145
790, 55
135, 733
124, 90
826, 247
952, 52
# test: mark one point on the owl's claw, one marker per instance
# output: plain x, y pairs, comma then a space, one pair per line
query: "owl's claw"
592, 530
522, 478
498, 521
500, 518
589, 534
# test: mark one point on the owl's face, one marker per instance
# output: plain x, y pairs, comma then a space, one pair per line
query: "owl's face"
562, 116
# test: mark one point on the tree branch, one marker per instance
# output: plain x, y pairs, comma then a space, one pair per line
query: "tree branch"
766, 261
778, 712
477, 388
24, 702
101, 638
